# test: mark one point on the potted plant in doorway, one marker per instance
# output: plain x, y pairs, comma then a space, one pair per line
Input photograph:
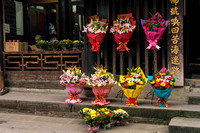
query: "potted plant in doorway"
66, 44
54, 44
42, 45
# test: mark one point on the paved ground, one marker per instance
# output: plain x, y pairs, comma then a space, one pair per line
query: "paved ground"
23, 123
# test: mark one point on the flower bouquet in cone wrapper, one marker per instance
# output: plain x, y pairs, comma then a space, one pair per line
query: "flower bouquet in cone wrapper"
101, 83
119, 117
74, 80
162, 83
133, 84
154, 29
122, 30
96, 31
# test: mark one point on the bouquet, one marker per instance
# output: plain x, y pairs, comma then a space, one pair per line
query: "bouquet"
93, 119
132, 84
119, 116
85, 111
154, 28
122, 30
74, 80
162, 83
54, 44
96, 31
101, 83
106, 117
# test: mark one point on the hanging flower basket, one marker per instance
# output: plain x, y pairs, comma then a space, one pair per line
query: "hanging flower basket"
154, 29
96, 31
122, 30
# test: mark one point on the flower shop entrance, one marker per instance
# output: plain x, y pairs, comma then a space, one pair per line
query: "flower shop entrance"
116, 61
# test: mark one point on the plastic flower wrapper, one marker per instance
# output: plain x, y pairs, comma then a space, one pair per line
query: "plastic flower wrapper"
74, 80
101, 83
119, 116
122, 30
154, 28
133, 84
93, 119
96, 31
162, 83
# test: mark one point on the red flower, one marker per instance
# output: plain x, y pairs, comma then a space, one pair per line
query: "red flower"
157, 84
161, 24
167, 86
110, 114
170, 78
148, 24
148, 21
128, 76
155, 21
103, 115
126, 84
155, 28
148, 29
154, 18
157, 77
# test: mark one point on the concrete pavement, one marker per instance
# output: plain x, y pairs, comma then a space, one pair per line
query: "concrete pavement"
24, 123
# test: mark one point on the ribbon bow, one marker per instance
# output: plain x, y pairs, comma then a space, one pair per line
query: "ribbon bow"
123, 46
162, 101
100, 101
153, 45
95, 46
73, 99
132, 102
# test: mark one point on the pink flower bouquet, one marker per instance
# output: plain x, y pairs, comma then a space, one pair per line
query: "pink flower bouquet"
101, 83
74, 81
154, 28
96, 31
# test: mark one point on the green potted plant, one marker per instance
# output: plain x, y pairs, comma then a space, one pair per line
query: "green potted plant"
54, 44
42, 45
66, 44
78, 45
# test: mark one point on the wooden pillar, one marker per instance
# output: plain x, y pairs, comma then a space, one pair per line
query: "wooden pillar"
90, 57
64, 20
1, 33
175, 10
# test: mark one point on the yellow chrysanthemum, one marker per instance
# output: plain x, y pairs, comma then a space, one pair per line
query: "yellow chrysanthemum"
107, 112
131, 83
141, 82
127, 79
93, 116
120, 110
171, 83
85, 109
152, 82
162, 74
158, 79
93, 112
162, 84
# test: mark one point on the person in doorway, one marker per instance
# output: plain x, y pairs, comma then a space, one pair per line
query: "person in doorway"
38, 38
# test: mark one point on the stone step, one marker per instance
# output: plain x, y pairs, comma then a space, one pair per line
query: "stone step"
53, 104
194, 98
192, 82
184, 125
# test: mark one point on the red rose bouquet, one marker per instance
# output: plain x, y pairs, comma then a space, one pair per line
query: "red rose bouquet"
96, 31
154, 28
122, 29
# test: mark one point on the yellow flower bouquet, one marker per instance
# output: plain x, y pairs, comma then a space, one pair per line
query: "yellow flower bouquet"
133, 84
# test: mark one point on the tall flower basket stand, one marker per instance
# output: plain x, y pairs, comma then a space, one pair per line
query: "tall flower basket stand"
101, 93
74, 91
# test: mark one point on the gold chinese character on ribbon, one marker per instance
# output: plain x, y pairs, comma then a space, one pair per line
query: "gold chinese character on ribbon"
174, 11
175, 70
175, 60
175, 21
174, 2
175, 30
175, 49
175, 39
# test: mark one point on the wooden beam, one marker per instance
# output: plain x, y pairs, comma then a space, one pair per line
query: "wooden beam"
42, 1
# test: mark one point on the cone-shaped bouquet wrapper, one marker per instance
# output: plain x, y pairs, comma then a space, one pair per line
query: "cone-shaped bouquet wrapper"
122, 30
133, 84
96, 32
74, 91
154, 29
164, 83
